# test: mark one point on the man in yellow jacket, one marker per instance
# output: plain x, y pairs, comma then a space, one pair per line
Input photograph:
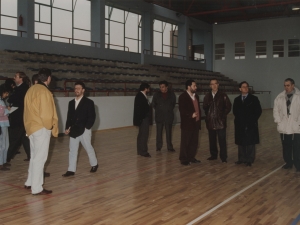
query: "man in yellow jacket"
40, 120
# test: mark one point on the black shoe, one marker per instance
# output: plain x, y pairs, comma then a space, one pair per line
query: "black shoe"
46, 174
26, 160
68, 173
44, 192
171, 150
195, 161
224, 161
27, 187
94, 169
185, 163
248, 164
147, 155
286, 166
158, 149
239, 162
212, 158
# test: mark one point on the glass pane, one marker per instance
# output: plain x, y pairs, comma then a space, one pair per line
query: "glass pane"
261, 43
294, 41
175, 41
261, 49
82, 15
278, 54
157, 41
140, 46
36, 12
42, 28
107, 8
106, 41
220, 51
261, 55
106, 26
9, 23
294, 54
294, 47
157, 26
167, 34
45, 14
167, 51
117, 35
131, 26
239, 50
219, 57
240, 45
47, 2
82, 35
9, 7
63, 4
219, 45
278, 42
117, 15
132, 45
62, 23
140, 33
278, 48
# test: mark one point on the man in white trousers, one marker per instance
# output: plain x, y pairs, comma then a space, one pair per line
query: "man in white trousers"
80, 119
40, 120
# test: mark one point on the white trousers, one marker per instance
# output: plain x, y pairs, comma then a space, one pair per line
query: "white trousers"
4, 144
39, 148
85, 140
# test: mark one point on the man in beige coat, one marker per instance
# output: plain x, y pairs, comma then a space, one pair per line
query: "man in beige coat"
40, 120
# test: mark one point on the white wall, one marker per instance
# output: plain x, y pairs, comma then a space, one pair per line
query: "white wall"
264, 74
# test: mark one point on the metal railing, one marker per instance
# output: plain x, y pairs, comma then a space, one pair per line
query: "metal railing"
21, 31
122, 46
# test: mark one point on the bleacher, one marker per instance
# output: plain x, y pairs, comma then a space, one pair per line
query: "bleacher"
105, 77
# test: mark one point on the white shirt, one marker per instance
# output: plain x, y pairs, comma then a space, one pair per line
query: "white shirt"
77, 102
146, 97
191, 95
213, 94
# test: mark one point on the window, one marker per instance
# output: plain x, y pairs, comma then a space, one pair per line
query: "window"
219, 51
63, 21
261, 49
294, 47
122, 30
278, 48
8, 17
239, 52
165, 39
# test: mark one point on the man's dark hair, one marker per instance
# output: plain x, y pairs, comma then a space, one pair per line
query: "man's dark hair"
24, 77
243, 82
189, 83
80, 83
164, 82
214, 79
144, 86
34, 78
290, 80
43, 75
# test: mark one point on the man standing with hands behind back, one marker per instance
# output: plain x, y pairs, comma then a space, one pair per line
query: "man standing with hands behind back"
80, 119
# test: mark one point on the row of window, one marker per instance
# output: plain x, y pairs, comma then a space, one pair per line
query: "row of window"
261, 49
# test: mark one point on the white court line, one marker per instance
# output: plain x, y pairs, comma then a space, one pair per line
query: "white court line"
229, 199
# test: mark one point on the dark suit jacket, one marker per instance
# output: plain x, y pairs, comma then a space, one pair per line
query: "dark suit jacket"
141, 109
186, 109
164, 107
17, 99
246, 120
82, 118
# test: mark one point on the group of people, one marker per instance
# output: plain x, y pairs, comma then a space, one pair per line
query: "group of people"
216, 105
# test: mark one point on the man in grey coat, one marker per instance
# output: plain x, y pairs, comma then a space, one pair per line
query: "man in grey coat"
164, 102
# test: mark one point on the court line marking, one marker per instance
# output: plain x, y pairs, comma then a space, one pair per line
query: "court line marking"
232, 197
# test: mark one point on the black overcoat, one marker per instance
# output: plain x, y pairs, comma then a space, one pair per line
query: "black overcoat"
246, 114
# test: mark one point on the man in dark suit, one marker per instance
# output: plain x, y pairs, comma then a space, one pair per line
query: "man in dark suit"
164, 102
190, 115
80, 119
247, 110
141, 118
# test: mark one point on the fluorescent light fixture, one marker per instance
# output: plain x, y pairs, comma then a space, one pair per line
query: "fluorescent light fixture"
295, 7
216, 22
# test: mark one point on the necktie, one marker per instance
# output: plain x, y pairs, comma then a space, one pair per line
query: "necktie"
244, 98
288, 103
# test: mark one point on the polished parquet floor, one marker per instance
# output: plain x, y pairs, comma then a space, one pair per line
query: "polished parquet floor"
130, 189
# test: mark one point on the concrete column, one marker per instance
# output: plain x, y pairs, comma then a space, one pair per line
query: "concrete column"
26, 9
183, 39
147, 32
98, 22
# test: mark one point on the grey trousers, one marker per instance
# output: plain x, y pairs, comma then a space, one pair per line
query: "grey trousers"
142, 138
85, 140
159, 139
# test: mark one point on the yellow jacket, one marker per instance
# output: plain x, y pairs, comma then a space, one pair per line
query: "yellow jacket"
39, 110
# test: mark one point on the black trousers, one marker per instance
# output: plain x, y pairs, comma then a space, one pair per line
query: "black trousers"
221, 134
159, 140
246, 153
291, 149
17, 136
142, 138
189, 144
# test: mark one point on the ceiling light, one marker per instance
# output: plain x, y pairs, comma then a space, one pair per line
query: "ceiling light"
295, 8
216, 22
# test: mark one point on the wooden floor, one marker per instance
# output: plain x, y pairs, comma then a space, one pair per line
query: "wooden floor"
130, 189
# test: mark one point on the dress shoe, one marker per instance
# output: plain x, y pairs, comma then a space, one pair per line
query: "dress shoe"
238, 162
171, 150
3, 168
68, 173
46, 174
224, 161
195, 161
185, 163
27, 187
248, 164
158, 149
7, 164
44, 192
146, 155
212, 158
94, 169
26, 160
286, 166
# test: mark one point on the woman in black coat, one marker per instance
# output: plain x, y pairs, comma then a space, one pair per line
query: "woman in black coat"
247, 110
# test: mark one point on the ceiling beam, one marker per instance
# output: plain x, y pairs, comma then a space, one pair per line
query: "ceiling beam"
188, 9
244, 8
